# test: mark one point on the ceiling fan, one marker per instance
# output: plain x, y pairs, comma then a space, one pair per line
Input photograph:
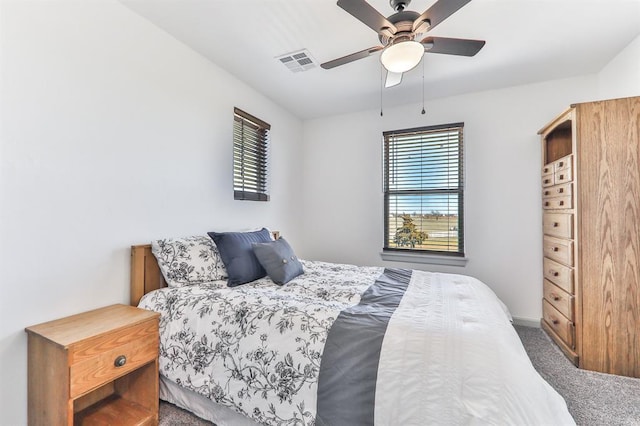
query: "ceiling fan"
401, 35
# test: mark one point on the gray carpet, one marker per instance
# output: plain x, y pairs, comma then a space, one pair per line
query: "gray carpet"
594, 399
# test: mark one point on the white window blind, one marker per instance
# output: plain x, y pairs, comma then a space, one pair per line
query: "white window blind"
423, 190
250, 157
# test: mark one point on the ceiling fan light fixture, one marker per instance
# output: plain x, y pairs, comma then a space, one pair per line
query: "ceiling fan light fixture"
402, 56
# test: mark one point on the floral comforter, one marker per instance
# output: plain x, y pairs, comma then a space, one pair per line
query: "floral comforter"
398, 347
256, 348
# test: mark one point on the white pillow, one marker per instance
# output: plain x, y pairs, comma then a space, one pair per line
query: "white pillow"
189, 260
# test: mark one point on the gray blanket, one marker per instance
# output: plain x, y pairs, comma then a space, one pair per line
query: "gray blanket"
349, 368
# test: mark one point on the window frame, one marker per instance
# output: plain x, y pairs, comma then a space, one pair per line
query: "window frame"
424, 255
250, 157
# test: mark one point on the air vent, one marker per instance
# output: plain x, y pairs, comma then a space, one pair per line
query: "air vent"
297, 61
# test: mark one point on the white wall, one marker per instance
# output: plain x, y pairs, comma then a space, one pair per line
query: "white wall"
620, 78
343, 180
112, 134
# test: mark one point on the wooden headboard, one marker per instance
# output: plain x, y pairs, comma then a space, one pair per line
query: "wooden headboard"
145, 273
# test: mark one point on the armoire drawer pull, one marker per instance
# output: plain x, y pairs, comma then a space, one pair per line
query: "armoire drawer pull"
555, 297
546, 203
555, 321
554, 249
560, 164
560, 190
561, 177
547, 192
555, 273
556, 224
547, 181
561, 203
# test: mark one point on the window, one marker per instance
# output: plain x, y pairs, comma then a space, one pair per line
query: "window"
423, 191
250, 157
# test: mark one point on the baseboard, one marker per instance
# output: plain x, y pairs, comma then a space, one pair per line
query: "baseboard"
527, 322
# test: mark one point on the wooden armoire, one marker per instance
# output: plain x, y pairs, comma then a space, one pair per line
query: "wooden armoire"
591, 241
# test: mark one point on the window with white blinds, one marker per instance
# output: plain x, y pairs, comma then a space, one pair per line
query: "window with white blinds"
424, 190
250, 157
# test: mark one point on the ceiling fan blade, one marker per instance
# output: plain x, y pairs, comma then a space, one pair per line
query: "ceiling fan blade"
452, 46
438, 12
393, 79
364, 12
350, 58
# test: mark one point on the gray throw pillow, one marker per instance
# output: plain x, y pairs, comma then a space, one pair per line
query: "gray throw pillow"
279, 260
237, 254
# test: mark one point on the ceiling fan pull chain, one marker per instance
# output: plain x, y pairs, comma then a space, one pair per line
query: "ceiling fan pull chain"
423, 61
382, 72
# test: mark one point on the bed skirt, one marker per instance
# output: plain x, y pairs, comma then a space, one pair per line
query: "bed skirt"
200, 406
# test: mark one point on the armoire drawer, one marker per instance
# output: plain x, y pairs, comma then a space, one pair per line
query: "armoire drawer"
564, 163
562, 176
560, 275
558, 224
558, 191
564, 202
559, 299
558, 249
559, 323
548, 180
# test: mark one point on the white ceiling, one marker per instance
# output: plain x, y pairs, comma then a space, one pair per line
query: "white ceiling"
526, 41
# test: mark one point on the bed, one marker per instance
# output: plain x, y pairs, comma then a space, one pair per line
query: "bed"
341, 345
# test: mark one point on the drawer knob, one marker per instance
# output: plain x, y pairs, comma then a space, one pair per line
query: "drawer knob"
546, 192
562, 203
554, 249
556, 224
547, 181
555, 297
120, 361
561, 177
561, 164
560, 190
546, 203
554, 273
555, 321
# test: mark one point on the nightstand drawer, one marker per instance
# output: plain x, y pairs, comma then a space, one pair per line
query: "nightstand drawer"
94, 371
94, 346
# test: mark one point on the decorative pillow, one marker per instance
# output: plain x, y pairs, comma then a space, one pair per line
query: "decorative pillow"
189, 260
237, 255
279, 260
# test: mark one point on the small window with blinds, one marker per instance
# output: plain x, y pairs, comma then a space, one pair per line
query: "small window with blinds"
250, 157
423, 190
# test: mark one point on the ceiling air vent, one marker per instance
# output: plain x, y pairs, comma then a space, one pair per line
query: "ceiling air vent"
297, 61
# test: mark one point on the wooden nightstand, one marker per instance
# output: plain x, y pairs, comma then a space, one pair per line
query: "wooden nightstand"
98, 367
